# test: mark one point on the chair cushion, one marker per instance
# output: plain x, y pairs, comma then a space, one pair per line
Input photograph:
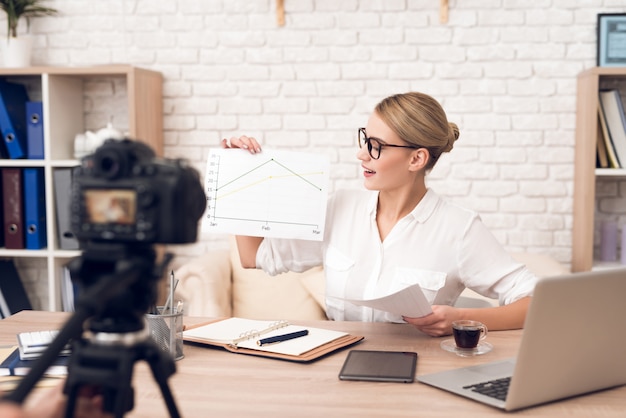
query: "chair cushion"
205, 285
257, 295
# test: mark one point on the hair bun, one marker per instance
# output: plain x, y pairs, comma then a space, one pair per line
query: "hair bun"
453, 135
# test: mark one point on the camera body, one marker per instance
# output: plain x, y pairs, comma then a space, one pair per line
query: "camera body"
122, 193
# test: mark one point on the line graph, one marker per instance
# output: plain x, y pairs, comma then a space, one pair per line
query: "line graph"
275, 193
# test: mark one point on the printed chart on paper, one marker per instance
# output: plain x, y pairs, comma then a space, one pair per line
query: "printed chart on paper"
274, 193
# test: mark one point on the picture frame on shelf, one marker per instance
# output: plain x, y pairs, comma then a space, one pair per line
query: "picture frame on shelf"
611, 48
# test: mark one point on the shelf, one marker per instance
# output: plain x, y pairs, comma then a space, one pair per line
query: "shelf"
21, 163
23, 253
611, 172
43, 253
65, 163
607, 265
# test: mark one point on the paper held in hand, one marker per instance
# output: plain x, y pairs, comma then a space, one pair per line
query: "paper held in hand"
409, 302
274, 193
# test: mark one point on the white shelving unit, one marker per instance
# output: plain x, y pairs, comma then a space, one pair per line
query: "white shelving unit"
65, 114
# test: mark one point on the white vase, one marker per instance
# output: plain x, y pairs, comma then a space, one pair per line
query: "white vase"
17, 51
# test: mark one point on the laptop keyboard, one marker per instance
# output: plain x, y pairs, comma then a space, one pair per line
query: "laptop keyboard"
494, 388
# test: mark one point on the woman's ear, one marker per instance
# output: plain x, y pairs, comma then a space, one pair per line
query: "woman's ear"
419, 159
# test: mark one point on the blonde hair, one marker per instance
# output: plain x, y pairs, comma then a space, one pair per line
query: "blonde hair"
418, 119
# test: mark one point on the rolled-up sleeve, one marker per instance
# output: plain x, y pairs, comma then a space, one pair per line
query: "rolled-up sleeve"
488, 269
277, 255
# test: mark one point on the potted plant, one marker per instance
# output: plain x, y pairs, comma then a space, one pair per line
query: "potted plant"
17, 50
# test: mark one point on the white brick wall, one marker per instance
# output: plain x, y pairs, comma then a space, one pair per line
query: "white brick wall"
505, 71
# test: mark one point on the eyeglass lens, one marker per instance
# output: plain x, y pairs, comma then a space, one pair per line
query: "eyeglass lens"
373, 146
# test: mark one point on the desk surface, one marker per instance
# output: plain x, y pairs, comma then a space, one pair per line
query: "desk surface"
214, 382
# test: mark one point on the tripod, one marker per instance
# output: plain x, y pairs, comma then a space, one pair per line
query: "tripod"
118, 285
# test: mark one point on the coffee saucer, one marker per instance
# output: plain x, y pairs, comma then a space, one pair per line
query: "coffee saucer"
482, 348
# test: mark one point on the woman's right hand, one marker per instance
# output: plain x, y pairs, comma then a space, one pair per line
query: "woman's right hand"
244, 142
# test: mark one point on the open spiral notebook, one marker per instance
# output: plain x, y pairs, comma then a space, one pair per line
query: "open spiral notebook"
240, 335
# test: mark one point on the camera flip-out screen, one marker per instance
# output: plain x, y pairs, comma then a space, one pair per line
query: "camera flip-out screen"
106, 206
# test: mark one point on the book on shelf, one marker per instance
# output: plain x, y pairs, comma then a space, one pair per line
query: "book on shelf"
66, 240
243, 336
615, 119
12, 365
69, 291
13, 98
13, 296
34, 130
13, 208
34, 208
602, 158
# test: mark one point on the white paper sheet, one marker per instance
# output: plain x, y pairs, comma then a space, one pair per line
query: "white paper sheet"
275, 193
409, 302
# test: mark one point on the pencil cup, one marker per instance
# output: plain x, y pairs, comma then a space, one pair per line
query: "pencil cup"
166, 330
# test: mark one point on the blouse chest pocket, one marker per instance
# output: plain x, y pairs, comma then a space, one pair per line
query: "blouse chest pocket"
430, 281
337, 266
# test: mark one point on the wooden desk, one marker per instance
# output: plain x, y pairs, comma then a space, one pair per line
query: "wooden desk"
214, 383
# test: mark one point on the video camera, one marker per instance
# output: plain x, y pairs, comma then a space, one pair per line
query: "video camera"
123, 201
123, 194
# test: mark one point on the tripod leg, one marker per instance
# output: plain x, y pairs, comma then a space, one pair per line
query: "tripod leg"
162, 366
70, 407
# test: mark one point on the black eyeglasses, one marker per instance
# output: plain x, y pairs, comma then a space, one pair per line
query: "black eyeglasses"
375, 145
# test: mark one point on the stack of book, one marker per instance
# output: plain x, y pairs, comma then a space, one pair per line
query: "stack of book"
18, 360
33, 344
611, 144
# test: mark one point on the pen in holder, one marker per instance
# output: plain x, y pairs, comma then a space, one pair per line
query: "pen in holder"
166, 329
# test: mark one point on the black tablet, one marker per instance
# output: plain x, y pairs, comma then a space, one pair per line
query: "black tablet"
379, 366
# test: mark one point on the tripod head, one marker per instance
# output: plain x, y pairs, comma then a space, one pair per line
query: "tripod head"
128, 272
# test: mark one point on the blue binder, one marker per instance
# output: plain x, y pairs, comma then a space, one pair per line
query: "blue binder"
34, 130
34, 208
13, 98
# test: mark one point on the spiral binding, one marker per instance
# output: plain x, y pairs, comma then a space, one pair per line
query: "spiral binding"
248, 335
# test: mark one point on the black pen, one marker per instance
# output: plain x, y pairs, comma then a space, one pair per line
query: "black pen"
281, 338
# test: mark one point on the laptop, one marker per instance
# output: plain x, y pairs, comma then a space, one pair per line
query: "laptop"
572, 344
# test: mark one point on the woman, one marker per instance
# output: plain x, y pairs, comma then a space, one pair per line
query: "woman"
398, 232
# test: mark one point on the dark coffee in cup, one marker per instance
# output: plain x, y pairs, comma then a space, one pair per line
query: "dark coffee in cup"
466, 337
467, 334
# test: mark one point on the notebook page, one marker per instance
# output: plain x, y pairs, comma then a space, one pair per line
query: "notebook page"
229, 330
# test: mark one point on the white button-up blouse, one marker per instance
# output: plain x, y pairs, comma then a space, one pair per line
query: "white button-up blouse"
439, 245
